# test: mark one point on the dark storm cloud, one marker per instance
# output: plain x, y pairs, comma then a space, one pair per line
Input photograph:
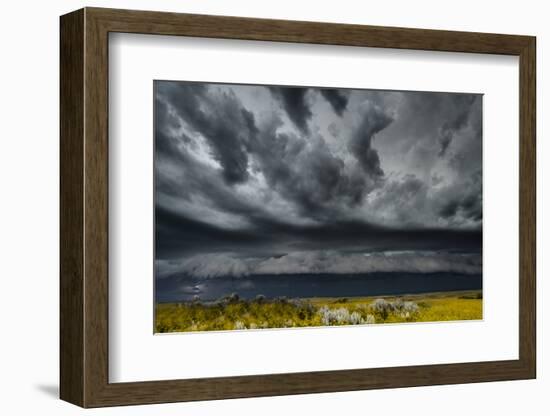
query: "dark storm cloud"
431, 126
406, 197
310, 177
293, 100
177, 235
426, 113
219, 118
466, 204
338, 99
462, 107
166, 143
236, 174
373, 121
415, 143
196, 181
304, 171
295, 104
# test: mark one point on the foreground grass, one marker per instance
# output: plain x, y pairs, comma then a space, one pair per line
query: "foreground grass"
232, 313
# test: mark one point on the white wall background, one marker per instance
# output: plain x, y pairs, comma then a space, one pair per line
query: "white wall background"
29, 209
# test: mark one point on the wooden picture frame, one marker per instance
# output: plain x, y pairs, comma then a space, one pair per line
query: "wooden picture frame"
84, 207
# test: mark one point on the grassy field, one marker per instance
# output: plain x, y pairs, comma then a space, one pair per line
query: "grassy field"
233, 313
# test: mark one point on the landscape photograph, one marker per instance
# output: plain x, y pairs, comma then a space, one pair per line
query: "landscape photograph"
293, 206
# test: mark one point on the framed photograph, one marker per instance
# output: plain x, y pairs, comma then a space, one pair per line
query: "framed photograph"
257, 207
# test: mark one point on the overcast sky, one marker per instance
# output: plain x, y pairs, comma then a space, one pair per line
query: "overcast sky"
264, 179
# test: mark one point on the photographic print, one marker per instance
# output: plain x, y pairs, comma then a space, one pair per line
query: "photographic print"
285, 206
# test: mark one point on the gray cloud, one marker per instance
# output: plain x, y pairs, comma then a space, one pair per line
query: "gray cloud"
465, 204
293, 100
459, 120
207, 266
305, 172
219, 117
338, 99
374, 120
404, 200
429, 122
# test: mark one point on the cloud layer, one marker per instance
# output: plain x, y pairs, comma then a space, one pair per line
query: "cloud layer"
207, 266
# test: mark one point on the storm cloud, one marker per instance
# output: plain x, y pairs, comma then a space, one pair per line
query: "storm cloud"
267, 179
219, 118
338, 99
294, 103
374, 120
458, 121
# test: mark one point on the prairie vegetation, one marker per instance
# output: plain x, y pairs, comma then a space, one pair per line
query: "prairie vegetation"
231, 312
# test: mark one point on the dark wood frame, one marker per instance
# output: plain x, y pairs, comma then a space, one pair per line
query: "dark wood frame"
84, 208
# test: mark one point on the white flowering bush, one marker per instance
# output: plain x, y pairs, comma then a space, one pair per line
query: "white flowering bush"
398, 304
403, 309
324, 312
240, 325
408, 310
340, 316
382, 308
355, 318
